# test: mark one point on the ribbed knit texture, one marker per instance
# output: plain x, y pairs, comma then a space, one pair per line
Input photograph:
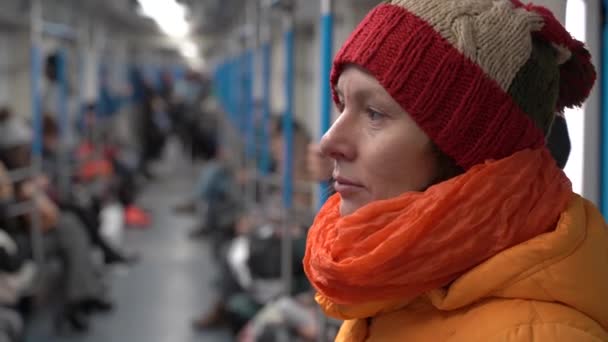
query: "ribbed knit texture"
463, 111
480, 77
493, 34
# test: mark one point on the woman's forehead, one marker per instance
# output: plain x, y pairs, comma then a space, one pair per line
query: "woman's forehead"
358, 81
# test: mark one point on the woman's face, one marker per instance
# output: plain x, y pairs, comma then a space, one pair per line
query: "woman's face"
378, 149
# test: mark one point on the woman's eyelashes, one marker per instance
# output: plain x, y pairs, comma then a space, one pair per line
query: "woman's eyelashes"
375, 118
375, 115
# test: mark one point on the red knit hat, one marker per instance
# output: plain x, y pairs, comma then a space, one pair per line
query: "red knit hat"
483, 78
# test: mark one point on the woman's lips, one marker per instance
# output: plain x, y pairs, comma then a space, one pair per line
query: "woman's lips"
346, 187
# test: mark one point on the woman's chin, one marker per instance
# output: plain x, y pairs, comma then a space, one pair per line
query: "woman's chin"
348, 207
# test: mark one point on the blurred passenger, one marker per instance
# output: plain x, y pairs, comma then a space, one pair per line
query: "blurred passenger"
203, 118
11, 326
51, 92
16, 272
250, 268
301, 141
109, 160
156, 127
166, 90
195, 116
89, 215
15, 140
450, 210
64, 236
216, 199
111, 100
296, 315
57, 96
319, 165
201, 126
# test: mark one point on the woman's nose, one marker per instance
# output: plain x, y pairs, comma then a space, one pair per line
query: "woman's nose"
338, 142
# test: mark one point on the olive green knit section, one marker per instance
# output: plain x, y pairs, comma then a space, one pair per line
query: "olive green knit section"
536, 86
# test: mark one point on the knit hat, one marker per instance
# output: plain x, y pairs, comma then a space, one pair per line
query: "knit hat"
483, 78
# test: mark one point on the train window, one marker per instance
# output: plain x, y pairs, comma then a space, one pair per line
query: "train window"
576, 24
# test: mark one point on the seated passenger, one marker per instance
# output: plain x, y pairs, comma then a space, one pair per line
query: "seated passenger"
63, 234
87, 215
261, 227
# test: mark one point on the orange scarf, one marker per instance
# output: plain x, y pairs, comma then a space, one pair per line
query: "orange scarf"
392, 251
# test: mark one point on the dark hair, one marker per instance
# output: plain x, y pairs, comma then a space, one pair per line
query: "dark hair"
51, 63
276, 127
5, 113
447, 166
558, 141
15, 157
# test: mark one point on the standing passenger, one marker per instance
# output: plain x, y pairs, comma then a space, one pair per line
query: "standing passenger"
452, 221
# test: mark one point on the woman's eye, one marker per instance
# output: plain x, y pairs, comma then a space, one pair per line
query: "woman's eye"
374, 115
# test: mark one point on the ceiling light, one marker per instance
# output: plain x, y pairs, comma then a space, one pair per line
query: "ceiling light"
189, 50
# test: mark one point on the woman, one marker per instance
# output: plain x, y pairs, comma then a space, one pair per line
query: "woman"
452, 222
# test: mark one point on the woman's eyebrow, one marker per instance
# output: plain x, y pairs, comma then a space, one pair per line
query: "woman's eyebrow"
357, 92
361, 92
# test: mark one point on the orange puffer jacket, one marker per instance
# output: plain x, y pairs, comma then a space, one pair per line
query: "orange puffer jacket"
551, 288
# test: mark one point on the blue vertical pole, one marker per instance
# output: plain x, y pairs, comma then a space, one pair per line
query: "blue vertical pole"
233, 91
224, 81
229, 90
219, 84
249, 104
231, 83
217, 81
244, 96
604, 106
36, 75
288, 117
327, 23
225, 93
287, 240
242, 92
266, 77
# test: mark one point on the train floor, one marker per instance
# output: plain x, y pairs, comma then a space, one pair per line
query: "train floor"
157, 298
